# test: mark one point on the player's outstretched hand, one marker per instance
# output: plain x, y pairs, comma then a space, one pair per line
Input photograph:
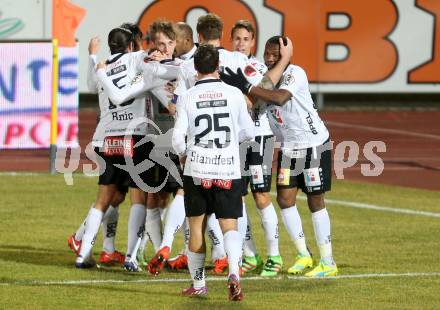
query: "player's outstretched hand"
286, 50
236, 79
94, 45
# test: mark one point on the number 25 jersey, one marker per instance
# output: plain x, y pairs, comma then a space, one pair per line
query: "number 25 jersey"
214, 118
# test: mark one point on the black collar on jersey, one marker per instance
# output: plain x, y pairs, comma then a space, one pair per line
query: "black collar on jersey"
208, 81
110, 61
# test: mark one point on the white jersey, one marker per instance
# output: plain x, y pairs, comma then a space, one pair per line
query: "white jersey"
123, 89
214, 119
122, 69
157, 101
232, 60
259, 110
259, 65
297, 123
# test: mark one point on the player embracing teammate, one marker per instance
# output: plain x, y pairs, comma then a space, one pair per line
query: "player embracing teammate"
212, 119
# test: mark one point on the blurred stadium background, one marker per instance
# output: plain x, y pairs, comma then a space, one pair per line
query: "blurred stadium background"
374, 68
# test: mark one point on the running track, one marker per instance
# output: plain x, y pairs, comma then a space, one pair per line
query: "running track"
412, 139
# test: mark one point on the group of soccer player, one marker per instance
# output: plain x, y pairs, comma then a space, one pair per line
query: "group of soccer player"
170, 126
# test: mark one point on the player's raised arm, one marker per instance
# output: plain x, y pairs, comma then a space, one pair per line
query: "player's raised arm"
118, 95
286, 52
92, 81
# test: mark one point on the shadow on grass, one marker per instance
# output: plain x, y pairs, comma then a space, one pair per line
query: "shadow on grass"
35, 256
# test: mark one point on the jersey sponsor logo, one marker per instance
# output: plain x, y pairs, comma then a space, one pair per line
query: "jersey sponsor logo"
223, 184
118, 146
214, 160
276, 115
311, 125
211, 96
250, 71
138, 78
289, 79
211, 104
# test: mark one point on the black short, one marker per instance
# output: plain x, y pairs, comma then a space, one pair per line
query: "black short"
122, 185
305, 169
245, 179
161, 177
115, 175
225, 203
259, 162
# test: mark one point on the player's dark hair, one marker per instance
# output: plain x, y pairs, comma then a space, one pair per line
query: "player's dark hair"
206, 59
243, 24
136, 32
164, 26
275, 40
210, 27
119, 40
184, 30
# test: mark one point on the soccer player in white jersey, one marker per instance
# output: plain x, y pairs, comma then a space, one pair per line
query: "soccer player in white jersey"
185, 49
120, 137
110, 219
164, 40
304, 160
209, 30
259, 162
211, 120
176, 213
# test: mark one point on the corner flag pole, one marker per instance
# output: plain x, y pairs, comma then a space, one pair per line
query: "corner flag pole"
54, 112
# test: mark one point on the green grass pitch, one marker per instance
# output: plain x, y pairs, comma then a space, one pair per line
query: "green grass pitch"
386, 260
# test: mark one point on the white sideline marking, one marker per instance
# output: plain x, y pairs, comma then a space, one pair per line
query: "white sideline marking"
394, 131
360, 205
215, 279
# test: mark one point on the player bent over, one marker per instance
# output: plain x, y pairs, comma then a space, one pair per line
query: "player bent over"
213, 119
304, 161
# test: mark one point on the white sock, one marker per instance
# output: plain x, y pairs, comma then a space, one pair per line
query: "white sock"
174, 220
91, 230
109, 226
242, 223
143, 244
80, 231
321, 226
233, 245
216, 236
292, 222
163, 213
153, 228
269, 220
136, 227
249, 248
196, 266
